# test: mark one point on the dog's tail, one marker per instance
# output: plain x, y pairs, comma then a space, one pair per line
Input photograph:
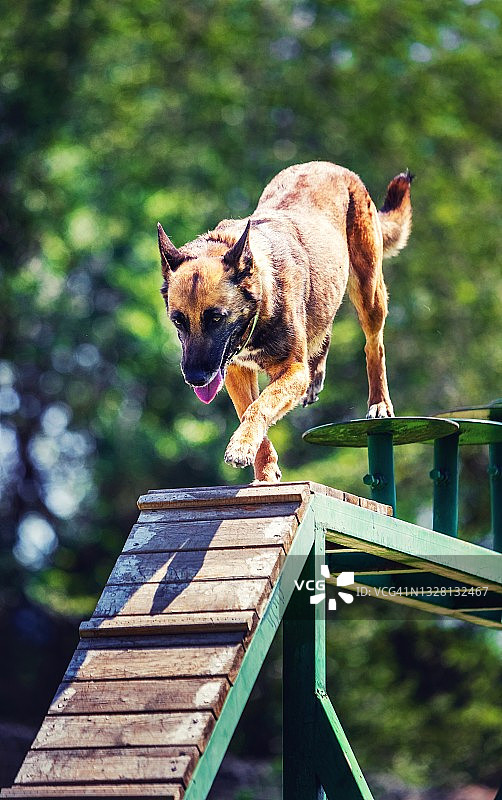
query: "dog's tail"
395, 214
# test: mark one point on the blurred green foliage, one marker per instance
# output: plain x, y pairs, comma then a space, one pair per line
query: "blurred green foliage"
115, 115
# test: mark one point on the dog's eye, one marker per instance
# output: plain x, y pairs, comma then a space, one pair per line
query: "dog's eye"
179, 320
213, 318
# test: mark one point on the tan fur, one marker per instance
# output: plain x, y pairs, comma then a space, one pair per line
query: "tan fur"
314, 231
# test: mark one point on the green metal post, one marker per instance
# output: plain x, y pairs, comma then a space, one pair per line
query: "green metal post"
304, 671
445, 477
495, 471
381, 469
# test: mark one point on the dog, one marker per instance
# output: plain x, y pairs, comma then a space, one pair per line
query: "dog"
260, 294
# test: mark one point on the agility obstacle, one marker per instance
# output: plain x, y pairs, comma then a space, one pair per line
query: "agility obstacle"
164, 667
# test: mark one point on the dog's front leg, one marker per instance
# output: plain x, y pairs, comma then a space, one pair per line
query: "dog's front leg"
242, 386
287, 386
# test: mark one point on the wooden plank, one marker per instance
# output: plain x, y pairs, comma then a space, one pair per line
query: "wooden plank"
321, 488
169, 624
160, 641
100, 765
199, 494
123, 730
212, 534
365, 502
167, 791
196, 565
154, 662
127, 696
225, 496
223, 512
159, 598
351, 498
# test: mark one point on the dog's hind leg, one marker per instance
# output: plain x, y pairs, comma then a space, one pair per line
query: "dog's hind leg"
369, 295
242, 386
317, 371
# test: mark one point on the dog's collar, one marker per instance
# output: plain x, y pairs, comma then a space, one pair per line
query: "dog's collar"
248, 337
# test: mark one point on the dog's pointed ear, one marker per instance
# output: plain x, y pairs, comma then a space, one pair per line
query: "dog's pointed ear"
239, 257
170, 256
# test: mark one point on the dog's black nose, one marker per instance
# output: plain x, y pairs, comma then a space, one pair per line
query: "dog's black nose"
197, 377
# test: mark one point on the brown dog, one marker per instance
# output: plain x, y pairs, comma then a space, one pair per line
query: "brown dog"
261, 294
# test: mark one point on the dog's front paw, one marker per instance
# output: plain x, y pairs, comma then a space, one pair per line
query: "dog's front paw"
241, 451
380, 410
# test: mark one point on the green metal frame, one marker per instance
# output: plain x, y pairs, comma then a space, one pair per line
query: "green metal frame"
495, 471
445, 477
381, 469
384, 552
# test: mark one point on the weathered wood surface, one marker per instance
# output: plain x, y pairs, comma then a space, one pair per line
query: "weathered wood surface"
127, 696
364, 502
155, 764
152, 537
157, 659
225, 495
166, 791
139, 642
123, 730
154, 662
159, 598
234, 512
195, 565
169, 624
237, 506
266, 490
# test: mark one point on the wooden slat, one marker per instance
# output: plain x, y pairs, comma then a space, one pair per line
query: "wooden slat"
155, 598
237, 512
126, 696
216, 534
364, 502
122, 730
195, 565
286, 486
225, 496
275, 493
158, 641
353, 499
100, 765
153, 662
169, 624
321, 488
167, 791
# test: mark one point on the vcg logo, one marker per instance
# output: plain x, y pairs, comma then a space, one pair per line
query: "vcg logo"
319, 587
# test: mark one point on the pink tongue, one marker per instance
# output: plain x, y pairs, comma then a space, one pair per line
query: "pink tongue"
210, 390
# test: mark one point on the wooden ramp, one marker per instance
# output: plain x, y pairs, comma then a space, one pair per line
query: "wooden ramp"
198, 591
